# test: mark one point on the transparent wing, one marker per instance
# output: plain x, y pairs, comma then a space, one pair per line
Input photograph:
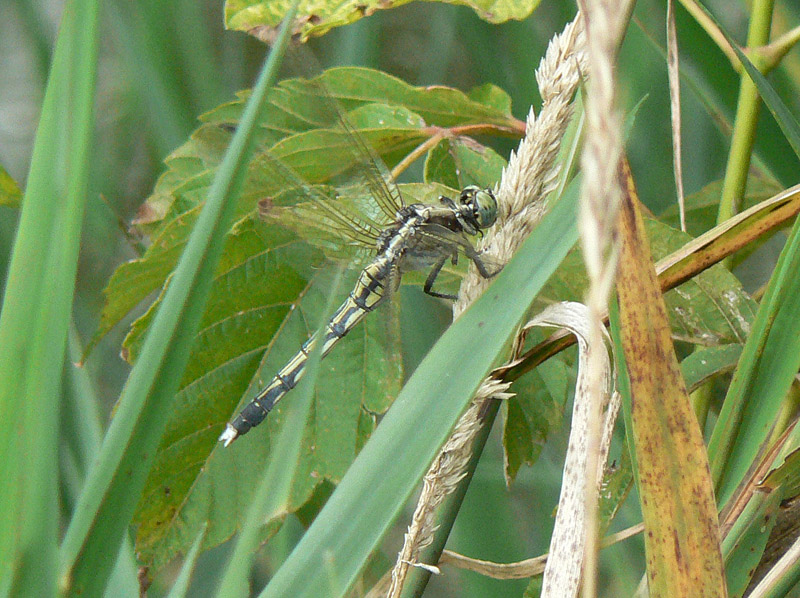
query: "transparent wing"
368, 169
316, 213
324, 224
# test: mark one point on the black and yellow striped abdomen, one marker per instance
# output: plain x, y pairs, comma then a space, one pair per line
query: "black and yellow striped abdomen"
367, 294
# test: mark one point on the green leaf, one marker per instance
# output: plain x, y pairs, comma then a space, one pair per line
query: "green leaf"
705, 363
710, 309
616, 485
304, 135
461, 161
115, 482
534, 588
536, 409
10, 195
37, 306
493, 96
786, 475
440, 165
260, 17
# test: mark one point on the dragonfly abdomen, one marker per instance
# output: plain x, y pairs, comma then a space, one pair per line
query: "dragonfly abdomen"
366, 296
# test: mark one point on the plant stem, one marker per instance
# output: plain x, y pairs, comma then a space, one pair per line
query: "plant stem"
747, 111
772, 54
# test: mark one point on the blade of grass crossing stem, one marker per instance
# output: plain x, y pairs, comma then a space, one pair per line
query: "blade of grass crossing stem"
334, 549
272, 496
115, 483
36, 310
788, 124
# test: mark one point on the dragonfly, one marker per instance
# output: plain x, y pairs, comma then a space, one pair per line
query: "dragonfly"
401, 237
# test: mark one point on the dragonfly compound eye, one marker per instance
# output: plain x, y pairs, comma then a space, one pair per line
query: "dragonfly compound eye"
485, 207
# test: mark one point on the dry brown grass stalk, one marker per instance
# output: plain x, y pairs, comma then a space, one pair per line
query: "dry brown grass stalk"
600, 199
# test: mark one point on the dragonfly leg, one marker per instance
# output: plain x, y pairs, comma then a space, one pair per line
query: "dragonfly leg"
482, 270
475, 256
447, 202
428, 288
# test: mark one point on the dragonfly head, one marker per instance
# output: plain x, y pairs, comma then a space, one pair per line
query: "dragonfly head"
478, 208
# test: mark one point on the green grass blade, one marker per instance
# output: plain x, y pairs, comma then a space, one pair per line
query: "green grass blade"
181, 586
36, 311
114, 484
743, 547
377, 485
81, 435
770, 359
783, 585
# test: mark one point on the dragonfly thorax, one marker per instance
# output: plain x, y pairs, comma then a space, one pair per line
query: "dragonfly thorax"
475, 210
407, 218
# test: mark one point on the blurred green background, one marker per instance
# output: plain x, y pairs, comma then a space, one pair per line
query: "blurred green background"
165, 63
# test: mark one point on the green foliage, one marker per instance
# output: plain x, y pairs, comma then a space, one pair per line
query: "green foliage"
36, 310
267, 289
127, 454
534, 413
323, 463
458, 163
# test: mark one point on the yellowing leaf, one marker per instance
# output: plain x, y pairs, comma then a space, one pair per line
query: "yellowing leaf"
677, 498
261, 17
